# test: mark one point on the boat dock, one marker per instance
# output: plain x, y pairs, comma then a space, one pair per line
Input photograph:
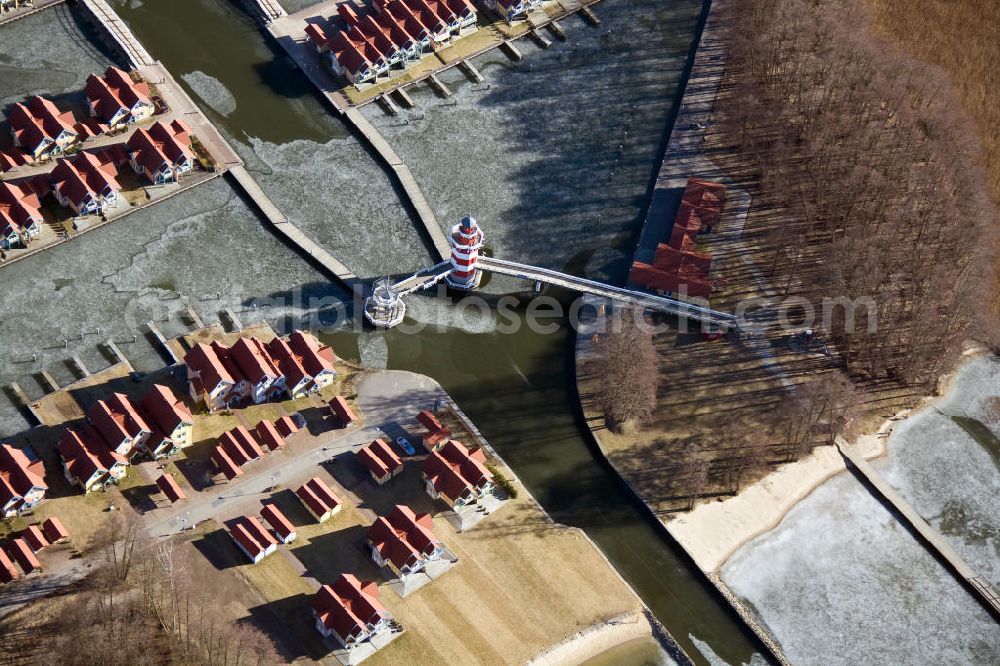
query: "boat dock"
120, 34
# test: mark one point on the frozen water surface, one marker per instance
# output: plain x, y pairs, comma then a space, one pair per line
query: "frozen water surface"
203, 249
211, 91
340, 197
554, 154
48, 53
944, 461
840, 581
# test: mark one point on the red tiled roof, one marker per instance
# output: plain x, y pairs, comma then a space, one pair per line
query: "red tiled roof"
18, 474
348, 606
379, 458
115, 91
277, 521
86, 453
253, 360
11, 159
35, 538
225, 464
205, 361
165, 409
704, 193
54, 530
428, 420
168, 484
403, 537
268, 434
288, 362
286, 426
174, 139
455, 470
117, 419
240, 445
316, 357
317, 496
38, 120
342, 409
248, 531
20, 203
670, 259
8, 572
81, 176
647, 276
20, 551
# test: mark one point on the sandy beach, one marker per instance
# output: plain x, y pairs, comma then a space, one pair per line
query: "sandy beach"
594, 640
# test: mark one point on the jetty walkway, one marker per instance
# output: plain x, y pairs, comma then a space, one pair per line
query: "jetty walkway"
292, 233
106, 17
981, 588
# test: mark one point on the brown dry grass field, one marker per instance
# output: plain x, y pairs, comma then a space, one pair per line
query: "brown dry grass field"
522, 583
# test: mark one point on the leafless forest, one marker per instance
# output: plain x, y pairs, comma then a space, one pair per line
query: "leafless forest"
870, 169
139, 605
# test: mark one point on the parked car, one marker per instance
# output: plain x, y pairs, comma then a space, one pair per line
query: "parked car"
404, 444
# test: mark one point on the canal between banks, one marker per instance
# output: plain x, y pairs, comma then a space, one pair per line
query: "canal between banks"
518, 388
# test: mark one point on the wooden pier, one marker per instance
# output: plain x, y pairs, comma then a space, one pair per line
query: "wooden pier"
79, 364
439, 85
16, 389
233, 319
471, 71
292, 233
49, 380
163, 343
117, 353
120, 34
512, 51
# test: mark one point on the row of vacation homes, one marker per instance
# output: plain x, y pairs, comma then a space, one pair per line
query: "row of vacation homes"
23, 549
11, 5
119, 431
399, 33
678, 268
252, 370
40, 129
403, 542
88, 183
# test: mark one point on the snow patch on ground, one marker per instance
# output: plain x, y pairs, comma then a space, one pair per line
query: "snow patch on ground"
840, 581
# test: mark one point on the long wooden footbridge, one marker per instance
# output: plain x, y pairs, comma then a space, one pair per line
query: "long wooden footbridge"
106, 17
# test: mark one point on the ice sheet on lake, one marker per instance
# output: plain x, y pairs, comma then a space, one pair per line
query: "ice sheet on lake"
204, 247
946, 474
713, 659
554, 154
340, 197
839, 581
211, 91
47, 53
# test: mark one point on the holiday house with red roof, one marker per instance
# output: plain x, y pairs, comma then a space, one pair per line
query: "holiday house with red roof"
171, 420
380, 460
252, 538
86, 184
512, 10
39, 128
22, 481
318, 499
88, 462
282, 527
20, 214
404, 542
120, 424
456, 475
116, 100
350, 612
163, 152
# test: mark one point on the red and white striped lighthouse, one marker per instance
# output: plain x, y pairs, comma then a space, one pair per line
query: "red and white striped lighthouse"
466, 239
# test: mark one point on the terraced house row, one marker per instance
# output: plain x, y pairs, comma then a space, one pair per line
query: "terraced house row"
118, 431
398, 34
251, 370
40, 129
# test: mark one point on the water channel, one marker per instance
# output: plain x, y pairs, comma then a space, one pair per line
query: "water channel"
517, 387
